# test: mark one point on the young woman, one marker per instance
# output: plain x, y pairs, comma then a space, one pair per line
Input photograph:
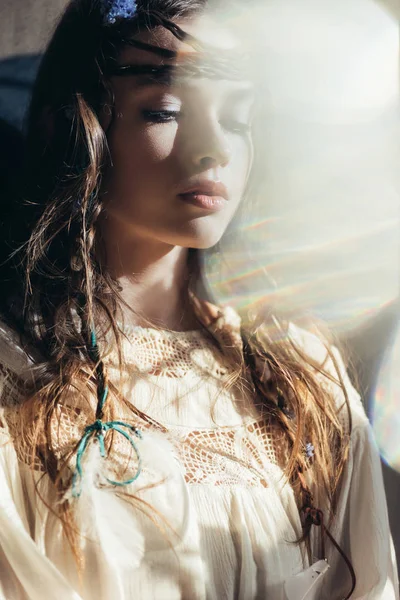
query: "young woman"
154, 445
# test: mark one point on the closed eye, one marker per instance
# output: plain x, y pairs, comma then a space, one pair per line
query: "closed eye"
237, 126
161, 116
166, 116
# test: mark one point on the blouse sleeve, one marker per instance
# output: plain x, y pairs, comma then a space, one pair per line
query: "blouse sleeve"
361, 525
25, 573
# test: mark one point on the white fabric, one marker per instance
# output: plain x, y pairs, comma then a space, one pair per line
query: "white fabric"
232, 517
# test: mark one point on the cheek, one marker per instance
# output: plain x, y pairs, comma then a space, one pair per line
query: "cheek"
241, 162
140, 147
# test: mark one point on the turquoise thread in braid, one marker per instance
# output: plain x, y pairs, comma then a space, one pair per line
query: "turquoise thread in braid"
103, 399
101, 393
98, 429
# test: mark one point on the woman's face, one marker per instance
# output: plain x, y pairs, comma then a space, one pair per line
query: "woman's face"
164, 139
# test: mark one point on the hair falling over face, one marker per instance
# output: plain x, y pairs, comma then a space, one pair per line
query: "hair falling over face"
56, 268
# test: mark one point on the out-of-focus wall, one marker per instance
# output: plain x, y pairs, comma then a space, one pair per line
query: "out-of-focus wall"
26, 24
25, 27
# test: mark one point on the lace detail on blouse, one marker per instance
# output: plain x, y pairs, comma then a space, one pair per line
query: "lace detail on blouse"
224, 456
239, 456
172, 354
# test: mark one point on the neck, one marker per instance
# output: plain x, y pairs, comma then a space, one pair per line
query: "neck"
153, 279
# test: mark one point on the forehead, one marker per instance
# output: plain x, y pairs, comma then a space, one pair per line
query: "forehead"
208, 32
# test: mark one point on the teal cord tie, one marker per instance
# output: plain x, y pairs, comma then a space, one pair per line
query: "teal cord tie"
98, 429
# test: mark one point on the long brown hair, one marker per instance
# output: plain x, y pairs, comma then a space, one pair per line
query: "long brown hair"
56, 274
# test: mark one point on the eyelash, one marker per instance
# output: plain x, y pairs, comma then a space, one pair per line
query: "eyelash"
165, 116
161, 116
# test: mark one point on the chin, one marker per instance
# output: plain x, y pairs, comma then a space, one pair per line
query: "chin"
202, 240
204, 244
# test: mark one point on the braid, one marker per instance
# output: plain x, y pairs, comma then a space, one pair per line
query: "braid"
100, 371
85, 284
269, 388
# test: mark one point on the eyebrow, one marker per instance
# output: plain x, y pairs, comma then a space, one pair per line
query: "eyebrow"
243, 93
147, 74
164, 52
165, 75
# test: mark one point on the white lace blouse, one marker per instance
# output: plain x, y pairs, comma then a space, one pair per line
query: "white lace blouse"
214, 518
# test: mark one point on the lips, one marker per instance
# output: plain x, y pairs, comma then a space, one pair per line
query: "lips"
207, 188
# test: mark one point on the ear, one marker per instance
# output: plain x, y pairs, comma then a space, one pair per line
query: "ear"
105, 116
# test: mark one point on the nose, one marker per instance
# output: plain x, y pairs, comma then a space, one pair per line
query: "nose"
207, 146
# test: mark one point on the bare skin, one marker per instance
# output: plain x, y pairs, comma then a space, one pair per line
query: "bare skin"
146, 227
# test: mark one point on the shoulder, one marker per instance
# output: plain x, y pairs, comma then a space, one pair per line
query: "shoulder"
16, 367
13, 354
331, 372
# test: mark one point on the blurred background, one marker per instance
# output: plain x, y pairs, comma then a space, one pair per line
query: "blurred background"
324, 235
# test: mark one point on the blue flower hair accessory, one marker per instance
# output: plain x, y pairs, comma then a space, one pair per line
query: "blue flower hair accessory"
113, 10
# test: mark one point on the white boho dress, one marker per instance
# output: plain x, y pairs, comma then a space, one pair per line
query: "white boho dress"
222, 519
